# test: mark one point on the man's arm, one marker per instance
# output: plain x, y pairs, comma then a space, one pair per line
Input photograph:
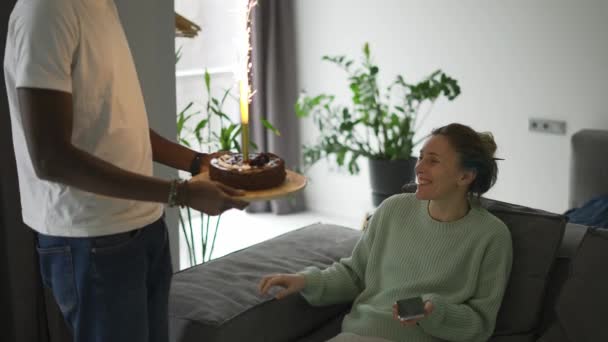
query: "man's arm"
47, 123
172, 154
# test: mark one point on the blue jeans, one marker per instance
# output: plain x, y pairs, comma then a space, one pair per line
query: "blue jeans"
111, 288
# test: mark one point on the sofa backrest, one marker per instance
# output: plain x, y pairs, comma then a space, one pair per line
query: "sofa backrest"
536, 237
580, 308
588, 168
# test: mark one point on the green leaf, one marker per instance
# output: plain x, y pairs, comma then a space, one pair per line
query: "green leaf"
225, 96
226, 137
197, 130
186, 108
353, 167
346, 126
269, 126
237, 132
340, 156
182, 118
178, 54
220, 114
184, 142
345, 114
208, 82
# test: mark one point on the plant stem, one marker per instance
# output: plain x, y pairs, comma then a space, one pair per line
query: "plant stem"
217, 224
191, 235
183, 225
426, 115
203, 241
207, 233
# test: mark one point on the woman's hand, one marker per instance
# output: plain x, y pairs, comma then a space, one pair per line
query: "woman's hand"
428, 308
291, 282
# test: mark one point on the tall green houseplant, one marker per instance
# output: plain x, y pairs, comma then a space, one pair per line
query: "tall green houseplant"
208, 130
379, 124
200, 132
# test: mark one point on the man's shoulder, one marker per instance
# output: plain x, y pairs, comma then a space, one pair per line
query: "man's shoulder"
43, 10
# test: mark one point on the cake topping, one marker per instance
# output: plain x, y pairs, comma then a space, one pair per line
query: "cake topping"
260, 160
234, 161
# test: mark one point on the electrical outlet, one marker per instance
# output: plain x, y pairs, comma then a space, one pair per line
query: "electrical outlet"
547, 126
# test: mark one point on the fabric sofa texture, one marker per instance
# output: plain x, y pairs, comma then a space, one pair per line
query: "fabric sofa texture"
581, 308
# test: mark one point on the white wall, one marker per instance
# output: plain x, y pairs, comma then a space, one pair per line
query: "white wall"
150, 30
514, 60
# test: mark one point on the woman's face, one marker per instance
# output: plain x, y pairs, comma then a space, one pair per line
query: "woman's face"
438, 171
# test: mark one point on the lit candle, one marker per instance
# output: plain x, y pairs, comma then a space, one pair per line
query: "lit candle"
244, 100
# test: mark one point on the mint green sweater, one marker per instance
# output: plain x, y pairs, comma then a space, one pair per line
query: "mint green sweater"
462, 267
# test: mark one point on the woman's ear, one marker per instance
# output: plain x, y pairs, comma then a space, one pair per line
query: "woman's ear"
467, 177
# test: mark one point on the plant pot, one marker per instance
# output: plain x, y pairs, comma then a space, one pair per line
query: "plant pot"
388, 176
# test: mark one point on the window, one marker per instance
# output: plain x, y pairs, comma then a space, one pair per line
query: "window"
214, 49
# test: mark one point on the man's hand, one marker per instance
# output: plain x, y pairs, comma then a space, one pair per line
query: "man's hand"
291, 282
211, 198
428, 308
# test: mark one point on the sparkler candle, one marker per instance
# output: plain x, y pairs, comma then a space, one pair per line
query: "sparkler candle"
243, 77
244, 100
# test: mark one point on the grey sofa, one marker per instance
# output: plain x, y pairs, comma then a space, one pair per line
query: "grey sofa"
554, 264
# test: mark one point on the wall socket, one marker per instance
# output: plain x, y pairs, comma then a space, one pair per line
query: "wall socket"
547, 126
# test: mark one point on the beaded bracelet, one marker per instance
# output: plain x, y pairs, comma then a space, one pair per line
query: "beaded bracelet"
173, 189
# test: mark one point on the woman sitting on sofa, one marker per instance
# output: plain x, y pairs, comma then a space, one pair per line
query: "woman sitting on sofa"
438, 244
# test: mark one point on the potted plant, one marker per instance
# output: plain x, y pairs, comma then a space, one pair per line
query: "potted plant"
209, 130
377, 125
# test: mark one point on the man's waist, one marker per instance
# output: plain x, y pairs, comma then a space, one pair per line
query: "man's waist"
93, 223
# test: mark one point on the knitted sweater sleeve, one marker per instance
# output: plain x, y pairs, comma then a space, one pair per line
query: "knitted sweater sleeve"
474, 320
344, 280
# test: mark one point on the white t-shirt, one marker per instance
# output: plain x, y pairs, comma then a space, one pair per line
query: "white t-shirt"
79, 47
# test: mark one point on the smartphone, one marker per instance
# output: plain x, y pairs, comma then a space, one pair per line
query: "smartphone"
410, 308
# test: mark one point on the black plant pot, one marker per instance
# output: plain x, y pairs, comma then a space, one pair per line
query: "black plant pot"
388, 176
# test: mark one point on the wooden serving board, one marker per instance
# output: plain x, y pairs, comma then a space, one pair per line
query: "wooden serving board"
294, 182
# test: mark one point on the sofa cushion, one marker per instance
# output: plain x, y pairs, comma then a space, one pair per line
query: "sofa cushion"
325, 332
581, 308
513, 338
219, 300
536, 237
554, 334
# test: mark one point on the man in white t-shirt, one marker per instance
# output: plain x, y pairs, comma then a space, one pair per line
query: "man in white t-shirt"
84, 156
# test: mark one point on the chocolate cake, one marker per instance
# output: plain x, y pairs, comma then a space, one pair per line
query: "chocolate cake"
261, 171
